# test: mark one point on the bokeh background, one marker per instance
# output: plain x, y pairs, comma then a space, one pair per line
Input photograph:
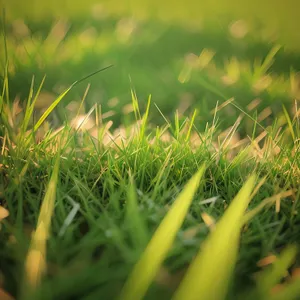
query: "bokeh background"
186, 54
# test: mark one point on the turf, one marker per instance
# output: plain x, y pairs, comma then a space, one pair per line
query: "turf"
86, 196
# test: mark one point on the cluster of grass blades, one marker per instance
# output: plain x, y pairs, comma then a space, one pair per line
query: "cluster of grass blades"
20, 135
209, 274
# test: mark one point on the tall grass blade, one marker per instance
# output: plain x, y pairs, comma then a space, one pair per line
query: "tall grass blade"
30, 105
5, 91
190, 126
35, 263
61, 96
209, 274
145, 119
146, 268
134, 220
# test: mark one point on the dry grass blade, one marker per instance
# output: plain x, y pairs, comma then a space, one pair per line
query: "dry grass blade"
3, 213
150, 262
209, 274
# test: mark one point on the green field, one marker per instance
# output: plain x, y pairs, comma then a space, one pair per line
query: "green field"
172, 174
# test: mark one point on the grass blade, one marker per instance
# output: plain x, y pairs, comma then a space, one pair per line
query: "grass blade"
208, 276
30, 105
135, 221
290, 292
273, 275
268, 61
146, 268
35, 263
145, 119
61, 96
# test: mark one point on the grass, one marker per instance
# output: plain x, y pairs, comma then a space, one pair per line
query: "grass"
198, 203
123, 187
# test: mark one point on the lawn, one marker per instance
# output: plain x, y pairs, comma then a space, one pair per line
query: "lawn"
147, 153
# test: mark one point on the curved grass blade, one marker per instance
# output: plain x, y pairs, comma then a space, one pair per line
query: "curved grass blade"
209, 274
61, 96
146, 268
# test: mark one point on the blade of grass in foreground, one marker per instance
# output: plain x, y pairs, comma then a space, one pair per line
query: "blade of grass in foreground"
146, 268
35, 263
209, 274
267, 280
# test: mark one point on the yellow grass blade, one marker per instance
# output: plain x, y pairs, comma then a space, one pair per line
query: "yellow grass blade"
50, 109
209, 274
271, 276
35, 263
152, 258
289, 292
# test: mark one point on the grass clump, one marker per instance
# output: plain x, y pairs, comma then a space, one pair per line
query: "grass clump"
202, 204
124, 197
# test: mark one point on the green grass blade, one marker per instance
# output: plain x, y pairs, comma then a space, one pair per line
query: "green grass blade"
290, 292
273, 275
145, 119
61, 96
135, 105
288, 119
146, 268
268, 61
30, 105
51, 108
268, 201
134, 220
209, 274
35, 263
190, 126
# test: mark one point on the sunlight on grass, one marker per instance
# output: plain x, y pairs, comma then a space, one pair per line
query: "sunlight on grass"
35, 264
85, 181
152, 258
209, 274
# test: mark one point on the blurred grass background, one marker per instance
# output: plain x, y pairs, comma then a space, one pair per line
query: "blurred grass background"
153, 46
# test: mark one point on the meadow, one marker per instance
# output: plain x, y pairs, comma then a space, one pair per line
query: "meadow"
149, 150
